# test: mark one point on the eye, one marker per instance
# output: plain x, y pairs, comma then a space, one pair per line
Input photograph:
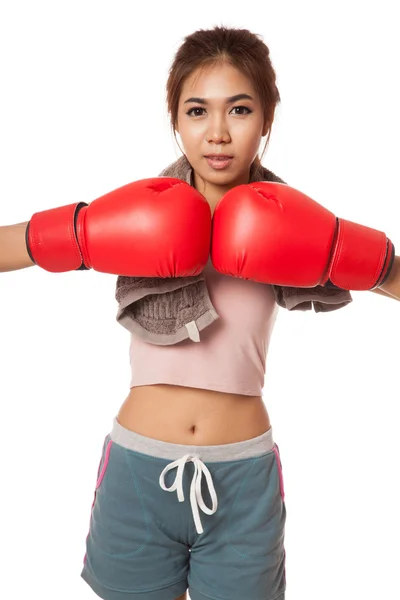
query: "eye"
192, 109
190, 112
245, 108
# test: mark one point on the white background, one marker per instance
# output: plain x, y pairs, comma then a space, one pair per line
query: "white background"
82, 112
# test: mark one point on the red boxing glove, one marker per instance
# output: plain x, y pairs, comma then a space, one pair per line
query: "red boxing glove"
272, 233
159, 227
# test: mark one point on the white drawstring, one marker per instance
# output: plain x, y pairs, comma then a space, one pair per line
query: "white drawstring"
195, 488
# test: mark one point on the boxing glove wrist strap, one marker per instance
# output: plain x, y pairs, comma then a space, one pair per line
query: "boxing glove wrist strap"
52, 242
362, 257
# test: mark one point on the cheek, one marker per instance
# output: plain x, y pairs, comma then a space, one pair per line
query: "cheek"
247, 130
249, 139
192, 135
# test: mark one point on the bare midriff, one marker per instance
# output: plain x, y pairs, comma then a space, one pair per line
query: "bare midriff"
193, 416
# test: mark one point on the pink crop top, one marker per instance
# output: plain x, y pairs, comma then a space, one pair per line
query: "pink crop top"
231, 354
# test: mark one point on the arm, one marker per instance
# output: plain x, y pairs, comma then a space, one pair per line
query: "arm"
13, 252
391, 287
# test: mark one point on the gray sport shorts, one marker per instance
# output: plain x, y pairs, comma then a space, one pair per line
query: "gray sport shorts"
168, 517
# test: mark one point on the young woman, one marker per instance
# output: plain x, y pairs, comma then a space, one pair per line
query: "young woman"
206, 415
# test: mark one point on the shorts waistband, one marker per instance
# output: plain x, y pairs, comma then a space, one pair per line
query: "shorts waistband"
256, 446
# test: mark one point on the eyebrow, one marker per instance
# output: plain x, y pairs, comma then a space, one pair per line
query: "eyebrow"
228, 100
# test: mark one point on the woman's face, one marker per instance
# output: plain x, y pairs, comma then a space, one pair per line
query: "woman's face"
212, 124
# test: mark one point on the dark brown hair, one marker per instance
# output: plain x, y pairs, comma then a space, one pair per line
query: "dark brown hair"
239, 48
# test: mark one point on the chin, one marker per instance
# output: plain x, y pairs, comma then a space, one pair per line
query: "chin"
220, 175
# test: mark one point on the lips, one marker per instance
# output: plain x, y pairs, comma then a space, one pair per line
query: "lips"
218, 156
218, 161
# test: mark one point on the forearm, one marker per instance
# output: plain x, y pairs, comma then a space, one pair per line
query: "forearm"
392, 283
13, 252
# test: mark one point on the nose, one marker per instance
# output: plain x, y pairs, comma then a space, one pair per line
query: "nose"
217, 131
